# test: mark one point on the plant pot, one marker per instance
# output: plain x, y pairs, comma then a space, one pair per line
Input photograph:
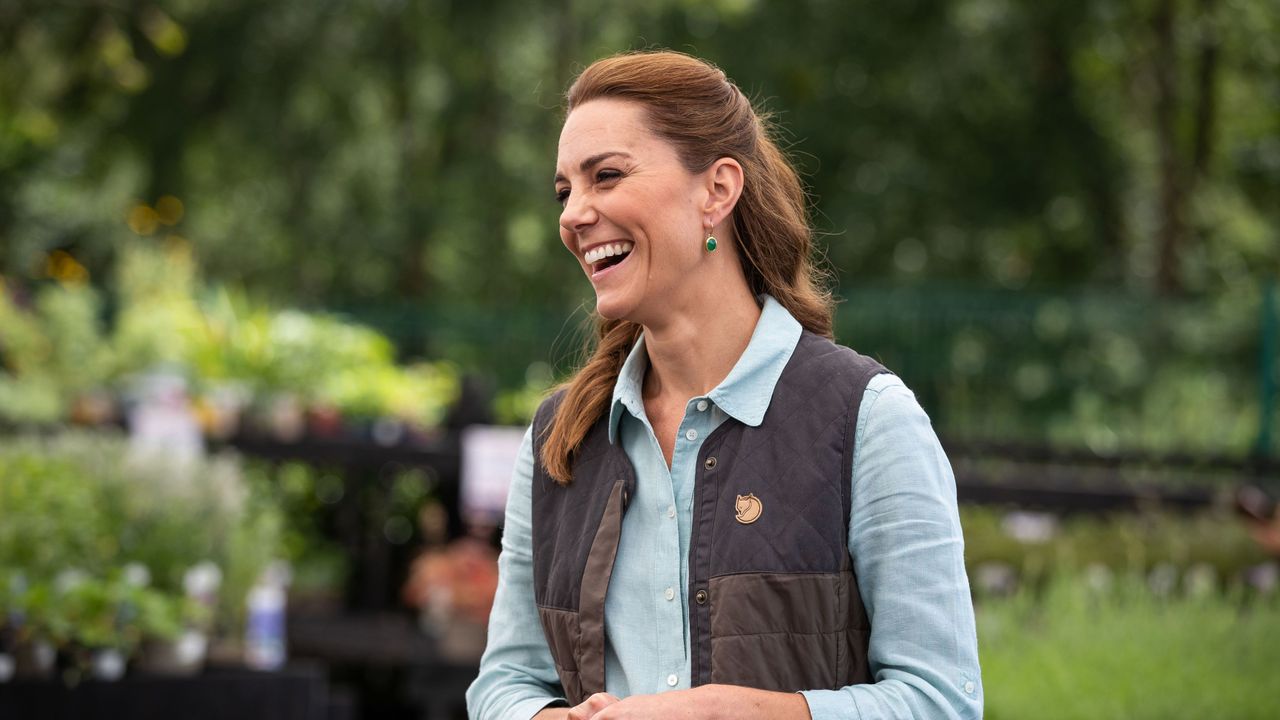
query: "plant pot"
34, 659
324, 422
107, 664
93, 408
285, 419
77, 663
387, 432
183, 655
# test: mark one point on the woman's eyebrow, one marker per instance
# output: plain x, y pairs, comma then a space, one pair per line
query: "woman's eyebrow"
594, 159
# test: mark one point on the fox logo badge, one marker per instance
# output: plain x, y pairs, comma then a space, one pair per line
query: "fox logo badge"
748, 508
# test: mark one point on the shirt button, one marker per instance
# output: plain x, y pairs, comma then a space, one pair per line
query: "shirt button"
670, 594
671, 511
692, 435
702, 406
701, 597
672, 679
968, 687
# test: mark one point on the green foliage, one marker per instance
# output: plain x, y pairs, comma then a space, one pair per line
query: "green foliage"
1020, 144
418, 393
83, 504
70, 318
50, 355
158, 310
1078, 651
58, 351
1095, 370
306, 495
1123, 151
105, 612
1124, 544
1127, 616
273, 352
517, 407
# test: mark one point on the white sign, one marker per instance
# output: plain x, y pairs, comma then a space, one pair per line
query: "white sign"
488, 460
162, 426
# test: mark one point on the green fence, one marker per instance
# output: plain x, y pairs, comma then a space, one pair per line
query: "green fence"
1105, 371
1099, 370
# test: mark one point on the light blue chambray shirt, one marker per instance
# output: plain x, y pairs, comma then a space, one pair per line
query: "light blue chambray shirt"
904, 536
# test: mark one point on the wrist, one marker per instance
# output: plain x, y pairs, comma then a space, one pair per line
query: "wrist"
733, 702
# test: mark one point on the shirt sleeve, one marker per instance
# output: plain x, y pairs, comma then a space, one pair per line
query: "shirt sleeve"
517, 674
908, 553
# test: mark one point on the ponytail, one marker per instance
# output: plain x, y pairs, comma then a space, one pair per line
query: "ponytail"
587, 395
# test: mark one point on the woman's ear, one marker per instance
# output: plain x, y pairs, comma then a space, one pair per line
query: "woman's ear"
724, 187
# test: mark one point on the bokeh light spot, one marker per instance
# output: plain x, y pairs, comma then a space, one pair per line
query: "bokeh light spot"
62, 267
168, 37
170, 210
143, 219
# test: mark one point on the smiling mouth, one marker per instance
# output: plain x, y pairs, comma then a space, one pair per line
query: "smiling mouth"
604, 257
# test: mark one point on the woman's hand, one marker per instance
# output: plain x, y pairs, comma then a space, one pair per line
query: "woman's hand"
708, 702
585, 711
591, 707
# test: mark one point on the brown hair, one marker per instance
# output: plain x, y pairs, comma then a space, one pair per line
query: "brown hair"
691, 104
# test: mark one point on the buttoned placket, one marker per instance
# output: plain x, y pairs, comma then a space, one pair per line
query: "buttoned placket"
672, 502
697, 424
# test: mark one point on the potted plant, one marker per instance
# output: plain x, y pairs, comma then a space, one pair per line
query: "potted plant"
138, 530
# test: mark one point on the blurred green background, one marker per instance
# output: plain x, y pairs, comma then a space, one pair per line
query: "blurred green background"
1058, 221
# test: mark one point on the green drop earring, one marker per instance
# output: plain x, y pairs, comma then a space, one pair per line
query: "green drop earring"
711, 241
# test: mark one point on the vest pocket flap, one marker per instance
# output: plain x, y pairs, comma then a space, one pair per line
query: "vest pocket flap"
760, 603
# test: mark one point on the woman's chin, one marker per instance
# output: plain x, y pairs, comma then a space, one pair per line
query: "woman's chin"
609, 311
612, 307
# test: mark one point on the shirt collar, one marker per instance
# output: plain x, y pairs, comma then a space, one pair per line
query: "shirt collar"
626, 389
746, 391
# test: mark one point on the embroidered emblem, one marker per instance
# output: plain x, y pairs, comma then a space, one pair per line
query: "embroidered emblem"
749, 508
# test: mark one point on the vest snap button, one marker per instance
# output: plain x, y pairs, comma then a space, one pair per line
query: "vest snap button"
710, 464
701, 597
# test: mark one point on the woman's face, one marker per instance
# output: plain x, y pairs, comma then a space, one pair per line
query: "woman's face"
632, 214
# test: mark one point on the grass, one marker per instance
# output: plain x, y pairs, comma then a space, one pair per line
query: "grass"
1097, 650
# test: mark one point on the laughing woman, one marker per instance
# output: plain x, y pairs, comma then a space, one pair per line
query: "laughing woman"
723, 514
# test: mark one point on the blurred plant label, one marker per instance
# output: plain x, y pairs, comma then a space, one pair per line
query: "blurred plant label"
161, 422
488, 459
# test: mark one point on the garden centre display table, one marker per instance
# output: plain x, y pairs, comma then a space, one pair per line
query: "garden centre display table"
413, 677
378, 567
297, 692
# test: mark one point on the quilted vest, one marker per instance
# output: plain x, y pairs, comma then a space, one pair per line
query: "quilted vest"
773, 600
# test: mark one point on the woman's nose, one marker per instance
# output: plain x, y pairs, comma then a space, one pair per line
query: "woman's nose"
578, 213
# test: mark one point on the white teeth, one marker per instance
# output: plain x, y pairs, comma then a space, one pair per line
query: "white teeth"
597, 254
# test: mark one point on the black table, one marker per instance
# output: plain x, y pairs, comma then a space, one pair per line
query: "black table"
297, 692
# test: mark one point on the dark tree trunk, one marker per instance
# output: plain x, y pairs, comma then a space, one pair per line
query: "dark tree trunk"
1206, 88
1171, 223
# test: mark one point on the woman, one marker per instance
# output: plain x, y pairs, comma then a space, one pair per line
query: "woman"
722, 514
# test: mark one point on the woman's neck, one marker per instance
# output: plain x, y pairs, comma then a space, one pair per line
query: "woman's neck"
694, 348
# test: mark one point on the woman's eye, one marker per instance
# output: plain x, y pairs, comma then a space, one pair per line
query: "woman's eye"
562, 196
